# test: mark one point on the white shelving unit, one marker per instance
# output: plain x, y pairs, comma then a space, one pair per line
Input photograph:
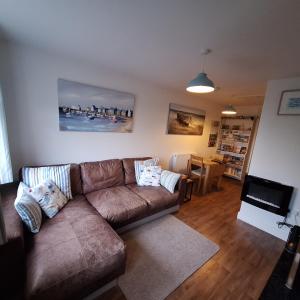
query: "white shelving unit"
234, 144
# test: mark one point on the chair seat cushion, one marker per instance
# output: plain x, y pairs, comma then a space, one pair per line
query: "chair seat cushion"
118, 205
156, 197
198, 172
74, 254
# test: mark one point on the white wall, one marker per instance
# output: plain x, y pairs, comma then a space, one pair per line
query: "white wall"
276, 156
29, 81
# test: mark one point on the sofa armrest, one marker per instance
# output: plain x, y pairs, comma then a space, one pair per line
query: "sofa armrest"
181, 188
12, 251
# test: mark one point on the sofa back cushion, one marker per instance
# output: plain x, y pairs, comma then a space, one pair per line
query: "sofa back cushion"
76, 184
101, 174
128, 165
75, 177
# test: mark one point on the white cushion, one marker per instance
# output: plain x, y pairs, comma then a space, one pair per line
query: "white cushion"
150, 176
59, 174
169, 180
49, 197
28, 209
139, 166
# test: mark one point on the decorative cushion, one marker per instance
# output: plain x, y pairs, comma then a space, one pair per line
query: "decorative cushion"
28, 209
59, 174
49, 197
128, 166
169, 179
139, 166
150, 176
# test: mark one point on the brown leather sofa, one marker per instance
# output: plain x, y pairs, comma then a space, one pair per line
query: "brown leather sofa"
78, 251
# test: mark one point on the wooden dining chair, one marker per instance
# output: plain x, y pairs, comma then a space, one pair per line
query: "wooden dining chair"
214, 175
199, 172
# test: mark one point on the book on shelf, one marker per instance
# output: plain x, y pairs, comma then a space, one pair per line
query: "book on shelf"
243, 150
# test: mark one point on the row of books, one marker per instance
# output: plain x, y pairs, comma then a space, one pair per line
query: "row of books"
233, 148
233, 172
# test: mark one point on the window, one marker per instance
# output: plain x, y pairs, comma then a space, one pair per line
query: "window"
5, 162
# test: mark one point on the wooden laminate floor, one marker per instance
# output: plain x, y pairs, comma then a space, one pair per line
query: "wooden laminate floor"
246, 258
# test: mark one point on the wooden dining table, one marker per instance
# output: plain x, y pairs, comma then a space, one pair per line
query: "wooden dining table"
207, 166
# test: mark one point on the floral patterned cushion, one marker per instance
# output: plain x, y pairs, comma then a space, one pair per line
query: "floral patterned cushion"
140, 165
150, 176
49, 197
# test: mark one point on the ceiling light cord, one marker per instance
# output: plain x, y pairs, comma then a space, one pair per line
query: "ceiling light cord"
203, 62
201, 83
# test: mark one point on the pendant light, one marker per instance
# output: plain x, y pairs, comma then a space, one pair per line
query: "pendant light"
201, 84
229, 110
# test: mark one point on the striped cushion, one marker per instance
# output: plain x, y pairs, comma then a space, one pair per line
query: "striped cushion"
139, 166
169, 179
59, 174
49, 197
28, 209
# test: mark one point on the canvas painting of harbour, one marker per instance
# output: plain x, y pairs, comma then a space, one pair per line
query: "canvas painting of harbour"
185, 120
84, 107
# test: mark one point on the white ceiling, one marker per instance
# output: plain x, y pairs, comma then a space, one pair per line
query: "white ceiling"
161, 40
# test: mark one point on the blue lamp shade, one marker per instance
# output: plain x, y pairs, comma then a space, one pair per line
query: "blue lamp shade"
201, 84
229, 110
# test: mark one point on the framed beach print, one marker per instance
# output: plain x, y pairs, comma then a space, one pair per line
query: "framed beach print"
84, 107
185, 120
289, 103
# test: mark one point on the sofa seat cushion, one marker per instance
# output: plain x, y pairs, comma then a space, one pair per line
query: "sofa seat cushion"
118, 205
156, 197
74, 254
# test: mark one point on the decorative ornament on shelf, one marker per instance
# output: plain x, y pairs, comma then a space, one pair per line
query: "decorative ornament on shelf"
229, 110
201, 84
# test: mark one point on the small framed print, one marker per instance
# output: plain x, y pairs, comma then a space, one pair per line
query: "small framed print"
289, 103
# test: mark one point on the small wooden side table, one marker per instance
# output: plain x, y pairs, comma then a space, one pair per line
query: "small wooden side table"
189, 190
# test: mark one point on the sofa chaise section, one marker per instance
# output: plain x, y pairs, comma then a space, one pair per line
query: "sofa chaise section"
73, 255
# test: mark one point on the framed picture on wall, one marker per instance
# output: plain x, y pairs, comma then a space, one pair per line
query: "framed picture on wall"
213, 136
289, 103
185, 120
84, 107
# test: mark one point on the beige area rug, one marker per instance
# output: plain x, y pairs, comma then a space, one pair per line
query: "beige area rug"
160, 256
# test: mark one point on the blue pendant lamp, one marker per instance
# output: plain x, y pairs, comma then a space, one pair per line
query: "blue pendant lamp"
229, 110
201, 84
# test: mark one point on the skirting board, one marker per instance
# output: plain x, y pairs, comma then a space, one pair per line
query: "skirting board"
148, 219
263, 220
102, 290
